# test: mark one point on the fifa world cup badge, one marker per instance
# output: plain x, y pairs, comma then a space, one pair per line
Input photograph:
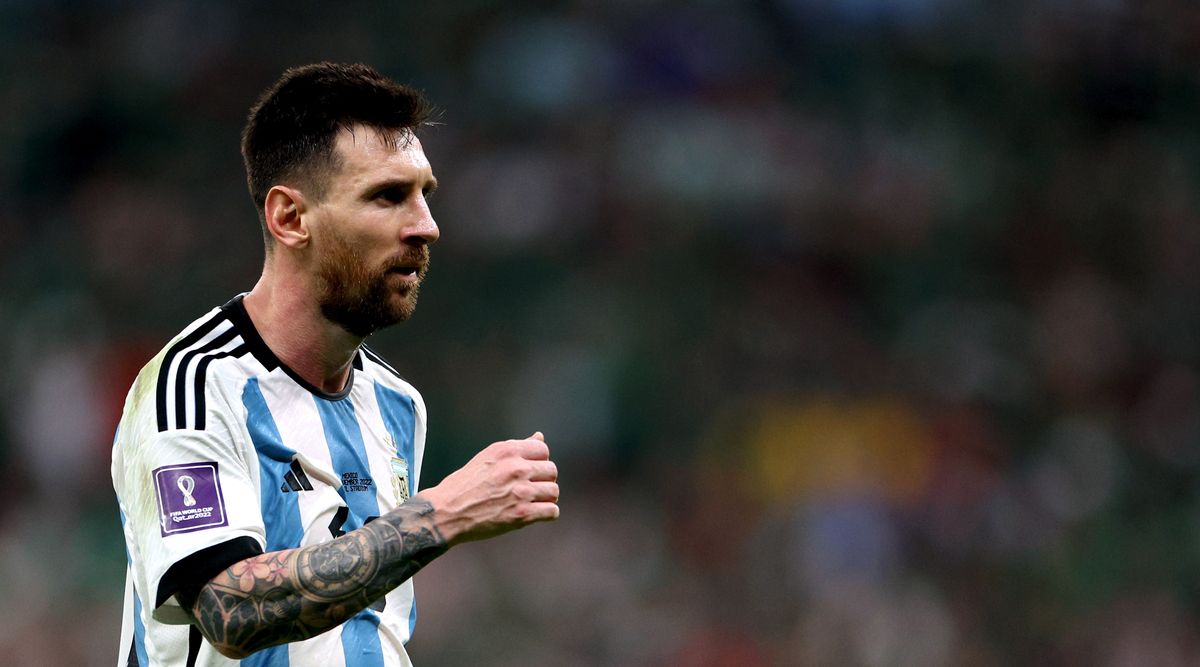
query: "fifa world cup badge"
400, 478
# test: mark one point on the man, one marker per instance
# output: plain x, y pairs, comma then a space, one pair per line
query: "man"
266, 461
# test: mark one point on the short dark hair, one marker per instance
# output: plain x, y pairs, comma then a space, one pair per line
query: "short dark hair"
292, 128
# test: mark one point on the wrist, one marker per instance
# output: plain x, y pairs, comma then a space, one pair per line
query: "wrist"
444, 520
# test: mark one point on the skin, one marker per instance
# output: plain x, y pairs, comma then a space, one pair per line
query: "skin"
374, 215
374, 206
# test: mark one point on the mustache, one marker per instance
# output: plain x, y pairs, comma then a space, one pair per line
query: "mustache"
413, 257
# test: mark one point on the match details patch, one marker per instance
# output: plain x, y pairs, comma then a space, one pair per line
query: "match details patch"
189, 497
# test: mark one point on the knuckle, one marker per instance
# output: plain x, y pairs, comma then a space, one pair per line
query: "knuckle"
505, 469
515, 470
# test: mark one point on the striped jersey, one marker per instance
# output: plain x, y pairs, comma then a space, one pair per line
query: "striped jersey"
223, 453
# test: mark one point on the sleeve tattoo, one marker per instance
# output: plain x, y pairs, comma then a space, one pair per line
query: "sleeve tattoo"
285, 596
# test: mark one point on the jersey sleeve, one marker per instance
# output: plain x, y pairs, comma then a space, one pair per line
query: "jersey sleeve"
191, 505
419, 431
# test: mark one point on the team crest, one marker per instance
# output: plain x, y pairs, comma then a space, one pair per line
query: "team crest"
400, 478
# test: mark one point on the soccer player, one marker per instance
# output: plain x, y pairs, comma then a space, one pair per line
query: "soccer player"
267, 461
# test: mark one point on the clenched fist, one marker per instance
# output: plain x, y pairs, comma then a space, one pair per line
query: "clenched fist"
508, 485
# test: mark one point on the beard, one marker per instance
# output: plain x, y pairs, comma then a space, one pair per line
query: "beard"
363, 299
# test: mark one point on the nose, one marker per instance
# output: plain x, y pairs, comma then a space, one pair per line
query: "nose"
424, 230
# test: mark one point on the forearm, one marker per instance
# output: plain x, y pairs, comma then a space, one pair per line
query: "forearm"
294, 594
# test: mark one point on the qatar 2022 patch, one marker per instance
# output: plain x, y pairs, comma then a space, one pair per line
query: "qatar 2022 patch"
189, 497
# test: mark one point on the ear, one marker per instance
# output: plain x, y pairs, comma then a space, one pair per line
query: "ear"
284, 211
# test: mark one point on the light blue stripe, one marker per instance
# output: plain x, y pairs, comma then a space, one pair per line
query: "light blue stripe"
412, 616
348, 453
399, 417
360, 640
280, 511
139, 629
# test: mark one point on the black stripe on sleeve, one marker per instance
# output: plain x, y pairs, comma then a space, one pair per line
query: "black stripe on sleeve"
169, 359
187, 576
181, 388
133, 659
201, 369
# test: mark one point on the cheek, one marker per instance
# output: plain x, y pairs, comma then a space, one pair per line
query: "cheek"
373, 237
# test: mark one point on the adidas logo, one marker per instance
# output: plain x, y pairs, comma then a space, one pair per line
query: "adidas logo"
295, 479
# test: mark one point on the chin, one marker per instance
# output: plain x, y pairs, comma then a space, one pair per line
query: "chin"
403, 305
395, 315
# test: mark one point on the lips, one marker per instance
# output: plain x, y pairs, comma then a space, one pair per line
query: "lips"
408, 272
410, 265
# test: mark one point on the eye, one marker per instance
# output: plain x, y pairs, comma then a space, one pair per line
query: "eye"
391, 195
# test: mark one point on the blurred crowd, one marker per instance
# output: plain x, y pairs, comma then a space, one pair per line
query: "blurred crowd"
864, 332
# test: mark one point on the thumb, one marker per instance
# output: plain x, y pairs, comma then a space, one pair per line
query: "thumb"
538, 436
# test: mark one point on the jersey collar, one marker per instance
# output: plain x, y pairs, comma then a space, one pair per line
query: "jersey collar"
258, 347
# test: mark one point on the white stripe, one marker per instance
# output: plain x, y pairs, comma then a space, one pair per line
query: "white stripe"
419, 421
300, 427
377, 441
127, 621
189, 379
393, 630
170, 371
373, 356
173, 420
381, 375
324, 650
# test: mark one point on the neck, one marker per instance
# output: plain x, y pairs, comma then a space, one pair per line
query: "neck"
291, 324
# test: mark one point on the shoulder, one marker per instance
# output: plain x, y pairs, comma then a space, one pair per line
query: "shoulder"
174, 402
178, 381
386, 375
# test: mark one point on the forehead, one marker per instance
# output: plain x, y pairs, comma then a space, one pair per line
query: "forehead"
368, 154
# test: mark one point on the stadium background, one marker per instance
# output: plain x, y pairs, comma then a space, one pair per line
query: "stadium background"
865, 332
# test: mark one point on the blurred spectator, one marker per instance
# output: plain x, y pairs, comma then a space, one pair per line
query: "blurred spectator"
869, 331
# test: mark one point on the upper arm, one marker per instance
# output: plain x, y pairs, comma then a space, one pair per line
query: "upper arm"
191, 505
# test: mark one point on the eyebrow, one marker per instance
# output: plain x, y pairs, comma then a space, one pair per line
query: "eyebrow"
428, 187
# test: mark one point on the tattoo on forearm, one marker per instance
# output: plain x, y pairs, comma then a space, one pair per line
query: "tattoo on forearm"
295, 594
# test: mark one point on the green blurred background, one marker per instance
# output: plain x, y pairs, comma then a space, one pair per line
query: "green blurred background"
865, 332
